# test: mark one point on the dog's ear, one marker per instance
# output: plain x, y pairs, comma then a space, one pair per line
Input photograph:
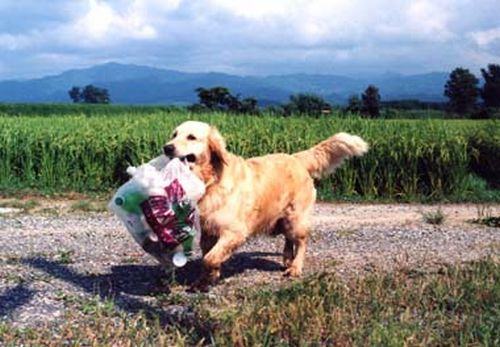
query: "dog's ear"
217, 148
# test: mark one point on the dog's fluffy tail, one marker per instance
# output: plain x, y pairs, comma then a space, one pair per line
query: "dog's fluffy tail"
329, 154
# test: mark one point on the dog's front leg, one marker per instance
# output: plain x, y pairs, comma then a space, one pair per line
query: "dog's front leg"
227, 243
207, 242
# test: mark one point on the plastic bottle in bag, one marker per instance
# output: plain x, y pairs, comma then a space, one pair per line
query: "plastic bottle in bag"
126, 204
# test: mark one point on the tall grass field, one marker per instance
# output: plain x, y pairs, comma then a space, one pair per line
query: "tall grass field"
424, 160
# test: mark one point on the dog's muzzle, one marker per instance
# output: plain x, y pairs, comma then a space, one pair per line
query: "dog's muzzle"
169, 150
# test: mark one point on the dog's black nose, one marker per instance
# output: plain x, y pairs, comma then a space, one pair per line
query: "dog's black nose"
169, 150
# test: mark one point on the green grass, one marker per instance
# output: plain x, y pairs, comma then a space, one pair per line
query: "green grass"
424, 160
485, 217
434, 217
491, 221
448, 307
382, 309
25, 205
391, 113
88, 206
51, 110
65, 257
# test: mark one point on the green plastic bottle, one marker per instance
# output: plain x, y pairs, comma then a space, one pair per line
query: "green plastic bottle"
130, 200
187, 245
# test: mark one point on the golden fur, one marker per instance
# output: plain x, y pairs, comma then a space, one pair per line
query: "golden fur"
272, 194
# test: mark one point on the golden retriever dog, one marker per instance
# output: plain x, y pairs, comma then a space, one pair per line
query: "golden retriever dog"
273, 194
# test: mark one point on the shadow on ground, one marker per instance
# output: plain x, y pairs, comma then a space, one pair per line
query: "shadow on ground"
125, 284
15, 297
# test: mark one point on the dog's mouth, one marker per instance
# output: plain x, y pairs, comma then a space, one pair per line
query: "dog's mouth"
191, 158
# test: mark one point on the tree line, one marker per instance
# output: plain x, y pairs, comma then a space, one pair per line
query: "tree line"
461, 89
221, 99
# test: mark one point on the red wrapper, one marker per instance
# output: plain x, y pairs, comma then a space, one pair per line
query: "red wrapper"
161, 217
174, 190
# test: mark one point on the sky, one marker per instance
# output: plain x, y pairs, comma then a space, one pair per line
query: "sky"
257, 37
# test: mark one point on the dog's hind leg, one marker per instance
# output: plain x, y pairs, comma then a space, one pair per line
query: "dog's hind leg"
296, 265
280, 228
296, 234
288, 253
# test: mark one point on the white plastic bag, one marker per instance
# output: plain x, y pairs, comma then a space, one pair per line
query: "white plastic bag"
168, 192
192, 185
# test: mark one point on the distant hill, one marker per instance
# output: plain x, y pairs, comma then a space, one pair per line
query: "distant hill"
134, 84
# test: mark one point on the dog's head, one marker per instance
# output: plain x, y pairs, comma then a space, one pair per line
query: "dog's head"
201, 145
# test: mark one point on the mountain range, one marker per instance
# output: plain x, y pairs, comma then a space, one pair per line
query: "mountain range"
136, 84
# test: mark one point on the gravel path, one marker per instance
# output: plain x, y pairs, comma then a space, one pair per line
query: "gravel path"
44, 260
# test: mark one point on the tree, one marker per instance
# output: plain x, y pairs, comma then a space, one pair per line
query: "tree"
89, 95
214, 98
221, 99
371, 101
354, 104
307, 104
231, 103
75, 94
95, 95
249, 105
491, 88
462, 91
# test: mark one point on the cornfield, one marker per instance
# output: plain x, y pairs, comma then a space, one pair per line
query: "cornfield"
408, 160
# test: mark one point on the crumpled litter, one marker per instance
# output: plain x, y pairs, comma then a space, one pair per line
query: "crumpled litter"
158, 207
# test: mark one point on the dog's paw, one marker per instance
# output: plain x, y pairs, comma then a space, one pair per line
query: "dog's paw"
199, 287
287, 262
292, 271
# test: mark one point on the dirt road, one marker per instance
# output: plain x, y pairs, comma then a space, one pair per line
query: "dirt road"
47, 260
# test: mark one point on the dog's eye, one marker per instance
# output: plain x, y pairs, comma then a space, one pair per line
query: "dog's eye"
174, 135
191, 137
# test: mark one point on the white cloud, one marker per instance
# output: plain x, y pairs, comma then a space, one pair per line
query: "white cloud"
486, 37
429, 20
100, 24
103, 24
337, 22
257, 9
263, 36
13, 42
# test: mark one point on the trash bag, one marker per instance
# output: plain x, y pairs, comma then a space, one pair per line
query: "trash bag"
158, 207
